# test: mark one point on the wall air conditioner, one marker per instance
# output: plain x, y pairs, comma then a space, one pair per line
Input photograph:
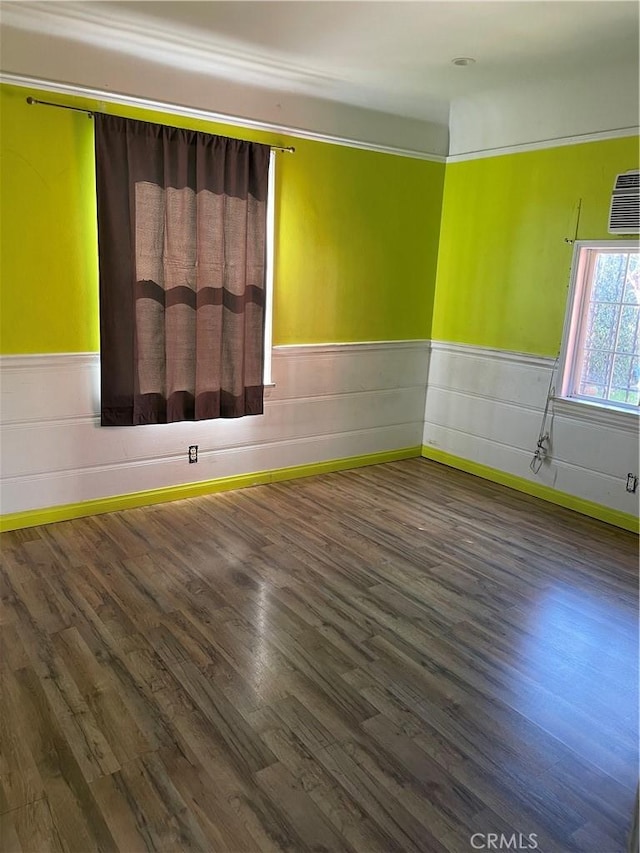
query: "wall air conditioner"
624, 216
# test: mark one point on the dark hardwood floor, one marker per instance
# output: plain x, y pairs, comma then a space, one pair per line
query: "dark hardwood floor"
398, 658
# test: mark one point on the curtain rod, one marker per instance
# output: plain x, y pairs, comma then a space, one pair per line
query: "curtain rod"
90, 113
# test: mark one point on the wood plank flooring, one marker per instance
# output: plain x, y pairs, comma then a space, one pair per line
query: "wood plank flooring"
397, 658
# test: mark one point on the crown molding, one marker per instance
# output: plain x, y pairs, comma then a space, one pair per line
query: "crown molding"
131, 33
190, 51
120, 99
207, 56
540, 145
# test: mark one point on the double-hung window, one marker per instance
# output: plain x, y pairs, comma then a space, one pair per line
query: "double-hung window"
600, 358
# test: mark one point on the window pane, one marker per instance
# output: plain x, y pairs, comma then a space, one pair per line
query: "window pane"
596, 391
596, 369
622, 371
608, 277
601, 326
625, 377
605, 325
632, 287
628, 331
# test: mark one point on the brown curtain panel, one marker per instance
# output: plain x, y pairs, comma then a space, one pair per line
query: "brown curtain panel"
182, 247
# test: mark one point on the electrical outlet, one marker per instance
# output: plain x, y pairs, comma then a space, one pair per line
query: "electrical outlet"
632, 483
193, 453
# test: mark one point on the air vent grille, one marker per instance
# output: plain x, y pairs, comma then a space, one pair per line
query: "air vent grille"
624, 216
628, 181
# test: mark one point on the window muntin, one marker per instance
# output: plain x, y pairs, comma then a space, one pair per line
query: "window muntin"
601, 350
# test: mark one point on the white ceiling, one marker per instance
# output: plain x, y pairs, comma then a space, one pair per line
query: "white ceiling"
394, 57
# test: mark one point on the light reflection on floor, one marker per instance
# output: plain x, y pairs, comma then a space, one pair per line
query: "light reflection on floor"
577, 676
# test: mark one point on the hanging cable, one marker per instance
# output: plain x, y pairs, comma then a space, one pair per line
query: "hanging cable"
575, 233
543, 445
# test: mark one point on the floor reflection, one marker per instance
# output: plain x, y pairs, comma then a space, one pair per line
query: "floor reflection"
578, 673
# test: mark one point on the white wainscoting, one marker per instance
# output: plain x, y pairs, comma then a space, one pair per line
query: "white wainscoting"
487, 405
329, 402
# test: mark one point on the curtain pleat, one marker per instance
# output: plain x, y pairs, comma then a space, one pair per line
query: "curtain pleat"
182, 247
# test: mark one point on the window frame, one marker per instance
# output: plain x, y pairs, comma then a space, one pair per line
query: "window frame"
574, 330
270, 251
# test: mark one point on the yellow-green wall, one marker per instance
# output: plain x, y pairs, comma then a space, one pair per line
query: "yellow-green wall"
359, 236
357, 233
503, 265
357, 245
48, 241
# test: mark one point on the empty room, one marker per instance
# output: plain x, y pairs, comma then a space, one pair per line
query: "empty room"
320, 395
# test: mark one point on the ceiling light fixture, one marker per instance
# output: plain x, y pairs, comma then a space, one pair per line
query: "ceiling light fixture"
463, 60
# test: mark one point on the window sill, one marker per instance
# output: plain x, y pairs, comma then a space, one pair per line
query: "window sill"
597, 413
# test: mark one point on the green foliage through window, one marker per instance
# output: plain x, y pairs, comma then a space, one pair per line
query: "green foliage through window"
610, 363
